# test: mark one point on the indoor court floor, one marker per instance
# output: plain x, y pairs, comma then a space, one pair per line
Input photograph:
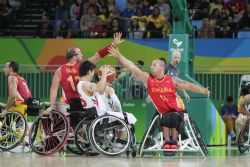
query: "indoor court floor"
218, 156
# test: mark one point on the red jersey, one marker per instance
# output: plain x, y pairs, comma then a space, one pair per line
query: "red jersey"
23, 91
69, 80
163, 94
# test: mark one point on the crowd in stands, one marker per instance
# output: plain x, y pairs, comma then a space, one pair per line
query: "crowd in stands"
135, 18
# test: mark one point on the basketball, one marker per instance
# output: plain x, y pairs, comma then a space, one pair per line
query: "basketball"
111, 73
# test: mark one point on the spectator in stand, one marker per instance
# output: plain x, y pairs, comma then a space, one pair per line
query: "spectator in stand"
202, 9
237, 4
112, 7
229, 114
167, 27
129, 11
84, 7
106, 17
206, 31
96, 6
5, 14
214, 17
216, 4
45, 30
155, 23
223, 30
165, 8
64, 31
88, 21
98, 31
62, 9
135, 31
115, 27
75, 13
142, 19
245, 20
145, 7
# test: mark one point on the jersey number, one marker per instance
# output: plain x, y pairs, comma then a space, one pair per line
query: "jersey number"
71, 81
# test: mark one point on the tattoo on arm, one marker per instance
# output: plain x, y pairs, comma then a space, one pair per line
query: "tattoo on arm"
91, 86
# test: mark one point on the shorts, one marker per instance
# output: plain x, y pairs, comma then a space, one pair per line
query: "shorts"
75, 104
170, 120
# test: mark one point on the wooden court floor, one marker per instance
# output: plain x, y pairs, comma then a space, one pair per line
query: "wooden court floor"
218, 156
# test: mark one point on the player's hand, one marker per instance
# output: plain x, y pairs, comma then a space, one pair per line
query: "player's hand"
117, 39
206, 91
187, 98
3, 113
113, 51
47, 111
105, 69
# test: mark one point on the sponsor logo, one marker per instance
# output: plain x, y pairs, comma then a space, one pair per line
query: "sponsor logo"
177, 43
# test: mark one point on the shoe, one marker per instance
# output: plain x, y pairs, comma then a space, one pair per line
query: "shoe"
166, 146
174, 146
233, 135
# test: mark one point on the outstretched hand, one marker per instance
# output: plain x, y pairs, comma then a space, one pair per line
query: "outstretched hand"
113, 51
206, 91
117, 39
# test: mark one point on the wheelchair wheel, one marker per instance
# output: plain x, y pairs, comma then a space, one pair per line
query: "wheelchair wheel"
149, 135
49, 133
13, 128
82, 138
199, 138
243, 138
71, 145
110, 135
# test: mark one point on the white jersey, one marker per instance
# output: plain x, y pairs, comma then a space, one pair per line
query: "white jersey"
87, 101
90, 101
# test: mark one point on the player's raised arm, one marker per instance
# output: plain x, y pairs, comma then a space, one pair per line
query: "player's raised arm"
142, 76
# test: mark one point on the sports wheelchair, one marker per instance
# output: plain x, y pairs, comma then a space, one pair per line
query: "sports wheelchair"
53, 133
243, 141
106, 135
189, 140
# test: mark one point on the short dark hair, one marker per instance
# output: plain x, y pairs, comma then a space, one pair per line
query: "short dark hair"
229, 99
14, 65
245, 90
163, 59
140, 62
85, 67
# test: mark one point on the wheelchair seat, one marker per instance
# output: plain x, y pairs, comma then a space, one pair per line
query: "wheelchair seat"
189, 140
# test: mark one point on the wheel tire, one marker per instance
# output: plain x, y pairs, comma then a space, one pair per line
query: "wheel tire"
103, 124
17, 127
241, 139
42, 139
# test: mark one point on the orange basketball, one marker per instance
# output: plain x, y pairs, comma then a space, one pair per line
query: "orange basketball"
111, 73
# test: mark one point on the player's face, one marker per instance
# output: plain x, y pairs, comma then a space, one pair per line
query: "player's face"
78, 54
155, 68
91, 74
176, 58
7, 69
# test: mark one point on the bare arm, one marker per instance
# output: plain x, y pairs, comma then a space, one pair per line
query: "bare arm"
142, 76
182, 84
12, 81
243, 103
54, 89
100, 85
117, 40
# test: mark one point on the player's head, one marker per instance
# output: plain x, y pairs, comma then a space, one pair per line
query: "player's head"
176, 57
87, 68
245, 89
157, 68
11, 66
74, 53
